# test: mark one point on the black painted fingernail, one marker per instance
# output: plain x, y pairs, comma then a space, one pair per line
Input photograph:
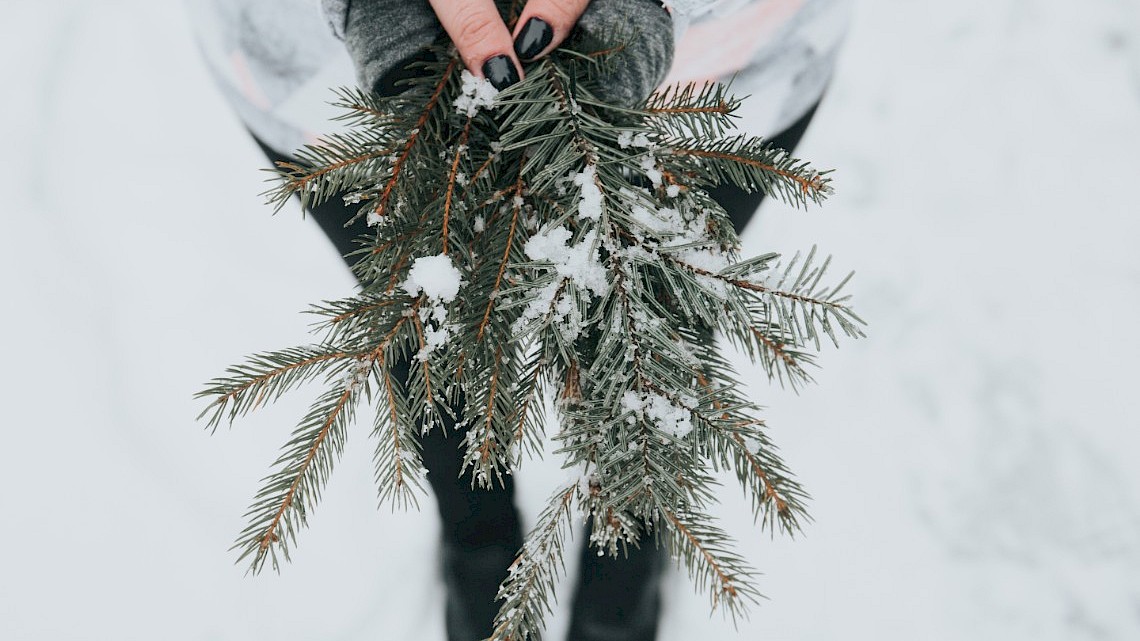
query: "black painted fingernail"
500, 70
534, 37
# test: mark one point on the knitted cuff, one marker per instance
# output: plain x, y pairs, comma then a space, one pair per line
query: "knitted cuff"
383, 36
644, 62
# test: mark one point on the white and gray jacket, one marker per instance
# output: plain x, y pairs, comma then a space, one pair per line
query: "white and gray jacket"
276, 60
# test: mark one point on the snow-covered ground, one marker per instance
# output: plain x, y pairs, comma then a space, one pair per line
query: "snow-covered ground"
972, 461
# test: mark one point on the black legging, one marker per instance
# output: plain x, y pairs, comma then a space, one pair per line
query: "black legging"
615, 599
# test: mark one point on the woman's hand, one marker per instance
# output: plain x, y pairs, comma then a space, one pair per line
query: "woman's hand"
383, 36
490, 50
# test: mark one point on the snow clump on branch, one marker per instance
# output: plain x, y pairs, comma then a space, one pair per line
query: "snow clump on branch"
476, 93
439, 281
435, 276
578, 263
590, 205
675, 419
627, 139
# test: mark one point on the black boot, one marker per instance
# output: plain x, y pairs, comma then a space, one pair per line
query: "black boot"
480, 536
471, 578
618, 599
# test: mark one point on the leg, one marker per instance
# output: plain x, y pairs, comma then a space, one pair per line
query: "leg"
617, 599
481, 533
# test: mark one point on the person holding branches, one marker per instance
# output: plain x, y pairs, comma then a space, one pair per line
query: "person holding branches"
275, 61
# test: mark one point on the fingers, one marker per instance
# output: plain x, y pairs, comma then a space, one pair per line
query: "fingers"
482, 39
544, 24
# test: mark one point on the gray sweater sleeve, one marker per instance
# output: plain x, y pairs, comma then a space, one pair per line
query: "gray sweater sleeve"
382, 36
643, 64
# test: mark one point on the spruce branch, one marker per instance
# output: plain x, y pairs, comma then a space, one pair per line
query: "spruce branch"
282, 505
350, 320
705, 110
779, 355
713, 567
487, 440
264, 378
527, 418
547, 242
398, 469
427, 110
529, 585
753, 164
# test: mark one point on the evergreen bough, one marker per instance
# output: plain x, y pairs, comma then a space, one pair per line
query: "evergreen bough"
594, 265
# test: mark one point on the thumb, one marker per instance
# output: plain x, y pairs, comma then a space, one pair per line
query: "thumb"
482, 38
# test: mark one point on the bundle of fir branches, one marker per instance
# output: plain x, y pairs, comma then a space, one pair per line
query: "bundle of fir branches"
542, 240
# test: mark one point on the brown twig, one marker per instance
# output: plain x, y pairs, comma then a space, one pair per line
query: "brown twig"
725, 578
720, 108
394, 419
451, 180
770, 491
778, 349
807, 185
399, 164
485, 446
427, 371
269, 536
502, 264
273, 374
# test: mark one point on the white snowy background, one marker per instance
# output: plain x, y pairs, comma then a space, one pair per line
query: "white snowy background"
973, 462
